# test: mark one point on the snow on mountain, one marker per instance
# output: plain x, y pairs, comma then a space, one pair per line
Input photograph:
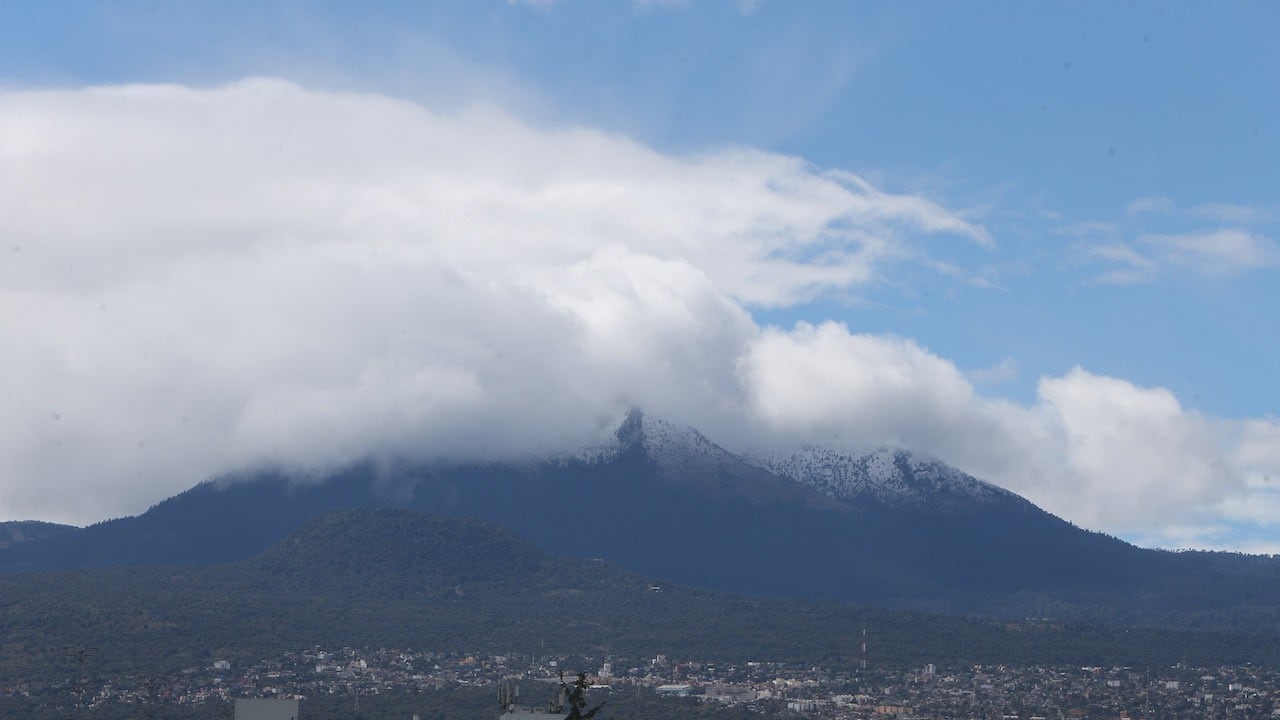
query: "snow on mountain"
683, 456
886, 477
890, 477
673, 446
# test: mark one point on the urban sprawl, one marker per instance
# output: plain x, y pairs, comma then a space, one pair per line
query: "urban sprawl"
807, 691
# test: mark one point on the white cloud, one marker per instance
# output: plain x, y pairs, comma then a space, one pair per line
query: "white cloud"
1258, 448
199, 280
1099, 451
1002, 372
822, 383
1132, 452
1217, 252
1157, 205
1238, 215
1135, 254
1128, 265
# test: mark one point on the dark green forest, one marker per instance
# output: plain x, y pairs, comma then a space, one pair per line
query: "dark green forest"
728, 527
382, 578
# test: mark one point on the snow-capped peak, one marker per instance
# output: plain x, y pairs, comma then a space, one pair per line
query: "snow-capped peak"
664, 441
886, 476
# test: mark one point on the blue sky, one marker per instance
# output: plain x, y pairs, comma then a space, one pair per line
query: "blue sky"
1115, 162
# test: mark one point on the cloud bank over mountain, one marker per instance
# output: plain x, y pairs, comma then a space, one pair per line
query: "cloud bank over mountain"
200, 280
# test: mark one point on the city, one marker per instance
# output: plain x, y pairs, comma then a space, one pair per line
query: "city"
766, 688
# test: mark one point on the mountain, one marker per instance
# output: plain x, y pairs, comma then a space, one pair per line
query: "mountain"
20, 531
405, 579
885, 528
889, 478
682, 455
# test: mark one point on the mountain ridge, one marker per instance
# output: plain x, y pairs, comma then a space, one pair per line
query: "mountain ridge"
886, 476
383, 577
14, 532
663, 500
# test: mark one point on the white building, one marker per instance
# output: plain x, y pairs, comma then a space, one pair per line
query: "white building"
266, 709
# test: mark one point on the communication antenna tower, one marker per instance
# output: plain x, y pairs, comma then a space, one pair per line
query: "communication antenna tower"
863, 663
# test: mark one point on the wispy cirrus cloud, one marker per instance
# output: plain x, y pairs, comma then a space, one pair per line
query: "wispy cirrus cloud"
1144, 205
1238, 215
1217, 252
1126, 265
746, 5
1212, 239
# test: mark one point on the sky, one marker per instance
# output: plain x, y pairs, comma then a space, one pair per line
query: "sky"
1037, 241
